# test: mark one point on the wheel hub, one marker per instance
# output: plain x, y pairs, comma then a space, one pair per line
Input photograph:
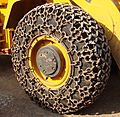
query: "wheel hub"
49, 61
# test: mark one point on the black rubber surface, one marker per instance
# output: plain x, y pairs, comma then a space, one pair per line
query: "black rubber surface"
86, 45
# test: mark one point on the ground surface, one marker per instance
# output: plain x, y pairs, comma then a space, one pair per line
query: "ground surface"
15, 103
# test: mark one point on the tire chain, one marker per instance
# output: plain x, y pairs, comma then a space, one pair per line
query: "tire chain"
86, 44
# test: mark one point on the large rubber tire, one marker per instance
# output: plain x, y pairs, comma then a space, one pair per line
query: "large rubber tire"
88, 50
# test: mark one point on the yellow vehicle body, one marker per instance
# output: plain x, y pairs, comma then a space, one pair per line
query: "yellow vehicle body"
49, 60
106, 12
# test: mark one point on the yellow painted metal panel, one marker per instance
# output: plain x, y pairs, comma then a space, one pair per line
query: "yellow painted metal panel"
8, 10
8, 37
3, 1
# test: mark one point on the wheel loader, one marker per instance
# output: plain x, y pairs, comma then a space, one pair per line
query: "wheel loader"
61, 49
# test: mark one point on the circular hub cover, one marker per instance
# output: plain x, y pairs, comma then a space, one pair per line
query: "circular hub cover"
48, 60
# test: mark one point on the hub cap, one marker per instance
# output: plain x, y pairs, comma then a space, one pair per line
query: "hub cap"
49, 61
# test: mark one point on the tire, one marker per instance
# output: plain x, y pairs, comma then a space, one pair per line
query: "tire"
87, 48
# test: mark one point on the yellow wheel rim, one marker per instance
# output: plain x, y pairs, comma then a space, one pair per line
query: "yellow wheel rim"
61, 78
